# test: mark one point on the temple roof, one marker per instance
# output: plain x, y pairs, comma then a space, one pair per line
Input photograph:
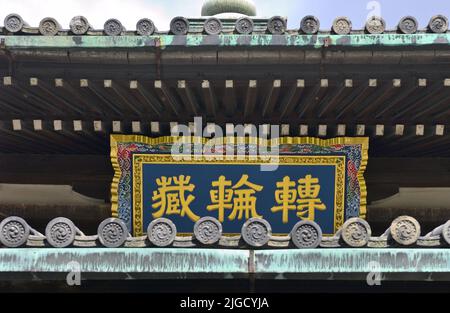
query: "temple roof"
223, 24
134, 264
68, 93
404, 232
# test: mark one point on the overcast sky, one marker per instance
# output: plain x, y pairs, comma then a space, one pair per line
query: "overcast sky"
162, 11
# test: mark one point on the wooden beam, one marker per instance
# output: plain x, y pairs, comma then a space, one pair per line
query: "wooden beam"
96, 95
229, 98
271, 98
65, 89
155, 128
14, 99
250, 98
41, 99
44, 90
210, 98
164, 93
141, 92
304, 130
187, 95
292, 98
328, 107
314, 97
23, 133
285, 130
360, 94
442, 103
427, 94
396, 102
122, 96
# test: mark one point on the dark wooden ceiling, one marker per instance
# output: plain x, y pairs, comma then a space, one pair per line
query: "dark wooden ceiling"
69, 101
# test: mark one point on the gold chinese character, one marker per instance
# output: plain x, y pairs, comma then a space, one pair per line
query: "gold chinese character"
309, 202
241, 201
222, 197
305, 199
171, 197
286, 197
244, 200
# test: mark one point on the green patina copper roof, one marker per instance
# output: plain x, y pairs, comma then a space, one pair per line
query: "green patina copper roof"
124, 260
353, 261
162, 41
210, 261
214, 7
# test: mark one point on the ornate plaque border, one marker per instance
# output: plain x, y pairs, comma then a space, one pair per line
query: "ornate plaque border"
355, 150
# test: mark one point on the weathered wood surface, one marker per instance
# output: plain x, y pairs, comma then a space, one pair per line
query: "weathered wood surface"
405, 117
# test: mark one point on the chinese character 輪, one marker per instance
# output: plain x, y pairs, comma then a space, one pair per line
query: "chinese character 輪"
241, 201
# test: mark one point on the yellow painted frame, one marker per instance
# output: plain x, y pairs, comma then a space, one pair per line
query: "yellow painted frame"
140, 159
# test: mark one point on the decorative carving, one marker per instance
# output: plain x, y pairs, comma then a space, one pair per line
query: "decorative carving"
79, 25
310, 25
14, 232
179, 26
356, 233
49, 27
145, 27
405, 230
306, 235
14, 23
208, 230
112, 233
113, 27
213, 26
446, 232
161, 232
408, 25
244, 26
60, 232
342, 26
438, 24
277, 25
375, 25
256, 232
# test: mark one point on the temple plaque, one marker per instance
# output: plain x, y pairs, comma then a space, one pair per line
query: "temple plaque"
310, 180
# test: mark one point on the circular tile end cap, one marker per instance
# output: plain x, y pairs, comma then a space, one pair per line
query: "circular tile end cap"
14, 232
208, 230
112, 233
60, 232
161, 232
356, 232
405, 230
256, 232
306, 235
